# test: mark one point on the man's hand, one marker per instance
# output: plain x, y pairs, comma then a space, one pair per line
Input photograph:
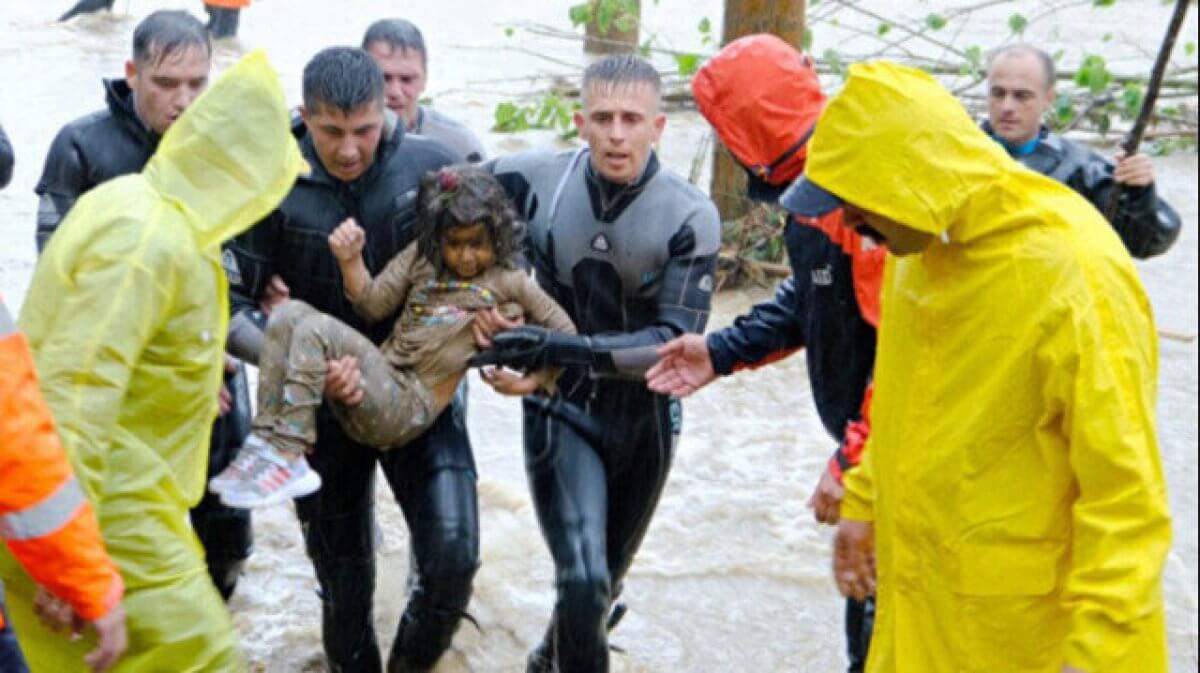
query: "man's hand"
684, 367
343, 381
1134, 171
489, 323
854, 559
347, 241
111, 640
826, 500
510, 383
274, 294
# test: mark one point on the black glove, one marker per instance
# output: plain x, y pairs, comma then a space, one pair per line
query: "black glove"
530, 348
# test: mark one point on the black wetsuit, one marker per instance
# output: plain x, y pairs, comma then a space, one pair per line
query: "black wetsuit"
633, 266
432, 477
91, 150
1147, 225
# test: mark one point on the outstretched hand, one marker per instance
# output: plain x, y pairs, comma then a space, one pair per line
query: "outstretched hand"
111, 637
683, 368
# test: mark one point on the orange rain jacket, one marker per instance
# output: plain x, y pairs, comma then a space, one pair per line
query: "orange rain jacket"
45, 520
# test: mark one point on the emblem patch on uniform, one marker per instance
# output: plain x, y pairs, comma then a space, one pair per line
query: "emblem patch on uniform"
229, 263
822, 276
706, 283
600, 244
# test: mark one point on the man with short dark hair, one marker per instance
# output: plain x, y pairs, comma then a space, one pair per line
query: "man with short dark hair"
366, 167
168, 71
1020, 92
399, 48
629, 250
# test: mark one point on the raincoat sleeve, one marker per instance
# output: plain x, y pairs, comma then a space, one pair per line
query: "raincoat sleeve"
770, 332
385, 293
45, 521
110, 302
1100, 379
859, 501
6, 159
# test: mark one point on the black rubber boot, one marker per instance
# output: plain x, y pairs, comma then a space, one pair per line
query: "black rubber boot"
222, 21
428, 624
87, 7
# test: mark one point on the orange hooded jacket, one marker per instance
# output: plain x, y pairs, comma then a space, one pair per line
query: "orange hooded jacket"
45, 520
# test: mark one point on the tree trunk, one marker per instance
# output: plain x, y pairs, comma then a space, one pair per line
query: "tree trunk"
784, 18
615, 41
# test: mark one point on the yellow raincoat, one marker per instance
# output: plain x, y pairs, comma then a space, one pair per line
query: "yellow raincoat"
126, 316
1012, 473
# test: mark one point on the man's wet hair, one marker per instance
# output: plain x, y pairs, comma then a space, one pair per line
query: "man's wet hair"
620, 70
1021, 48
166, 32
461, 196
342, 78
399, 34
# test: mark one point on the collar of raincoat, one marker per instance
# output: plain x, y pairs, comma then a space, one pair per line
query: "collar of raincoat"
230, 158
896, 143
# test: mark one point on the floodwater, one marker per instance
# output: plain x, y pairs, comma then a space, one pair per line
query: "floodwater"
734, 574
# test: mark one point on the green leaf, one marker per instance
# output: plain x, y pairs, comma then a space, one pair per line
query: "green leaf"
1103, 3
1131, 100
1017, 23
705, 25
626, 23
1190, 48
508, 31
1107, 37
1093, 73
629, 8
687, 63
806, 43
935, 21
884, 29
833, 59
605, 13
1064, 110
580, 15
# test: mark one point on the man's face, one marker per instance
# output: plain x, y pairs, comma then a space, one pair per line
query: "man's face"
620, 123
1018, 96
345, 143
467, 251
899, 239
403, 79
164, 87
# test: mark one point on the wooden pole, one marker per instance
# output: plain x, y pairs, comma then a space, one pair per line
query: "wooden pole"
615, 41
784, 18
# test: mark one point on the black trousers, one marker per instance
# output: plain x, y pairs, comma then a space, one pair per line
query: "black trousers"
224, 531
433, 479
596, 469
860, 621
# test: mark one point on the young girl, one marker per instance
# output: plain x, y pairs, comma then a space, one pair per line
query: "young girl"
463, 261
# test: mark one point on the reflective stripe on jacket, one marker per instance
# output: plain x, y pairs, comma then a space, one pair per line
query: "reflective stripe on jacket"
45, 520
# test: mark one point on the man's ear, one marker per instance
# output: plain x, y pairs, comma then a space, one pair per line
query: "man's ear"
303, 111
579, 121
130, 73
660, 123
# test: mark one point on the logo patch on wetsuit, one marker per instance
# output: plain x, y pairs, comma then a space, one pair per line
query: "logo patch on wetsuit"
705, 284
600, 244
229, 263
823, 276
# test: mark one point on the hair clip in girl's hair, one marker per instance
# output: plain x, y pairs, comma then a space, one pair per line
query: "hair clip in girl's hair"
447, 180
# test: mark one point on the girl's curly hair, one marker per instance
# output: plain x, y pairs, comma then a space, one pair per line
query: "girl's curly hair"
460, 196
